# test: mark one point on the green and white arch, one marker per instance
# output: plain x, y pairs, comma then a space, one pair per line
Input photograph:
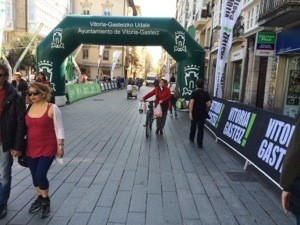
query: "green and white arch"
135, 31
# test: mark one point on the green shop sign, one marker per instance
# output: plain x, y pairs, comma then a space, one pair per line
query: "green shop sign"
265, 43
108, 30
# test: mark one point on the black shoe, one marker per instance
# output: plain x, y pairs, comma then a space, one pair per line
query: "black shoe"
36, 205
3, 211
161, 132
200, 146
176, 115
191, 140
45, 209
157, 131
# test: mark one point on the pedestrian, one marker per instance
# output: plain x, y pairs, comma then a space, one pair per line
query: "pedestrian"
45, 141
138, 82
122, 82
162, 96
12, 134
198, 105
20, 84
118, 83
174, 87
290, 176
83, 78
41, 78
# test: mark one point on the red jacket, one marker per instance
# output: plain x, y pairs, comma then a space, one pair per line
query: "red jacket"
163, 95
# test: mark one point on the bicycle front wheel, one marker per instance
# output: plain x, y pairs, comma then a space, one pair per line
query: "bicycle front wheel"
147, 125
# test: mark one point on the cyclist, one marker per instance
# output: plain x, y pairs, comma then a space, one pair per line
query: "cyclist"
162, 96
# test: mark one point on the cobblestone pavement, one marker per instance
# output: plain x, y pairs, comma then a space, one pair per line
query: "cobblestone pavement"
112, 174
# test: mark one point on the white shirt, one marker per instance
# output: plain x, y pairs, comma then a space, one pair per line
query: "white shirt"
58, 124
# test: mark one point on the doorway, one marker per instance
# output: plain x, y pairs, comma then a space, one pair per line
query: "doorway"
261, 82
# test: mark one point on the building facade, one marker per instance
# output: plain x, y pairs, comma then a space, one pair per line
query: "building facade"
284, 17
95, 60
28, 15
256, 73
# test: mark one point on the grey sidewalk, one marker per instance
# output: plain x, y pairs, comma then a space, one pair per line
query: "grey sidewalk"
114, 175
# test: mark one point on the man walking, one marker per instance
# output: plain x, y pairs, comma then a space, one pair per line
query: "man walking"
12, 132
198, 105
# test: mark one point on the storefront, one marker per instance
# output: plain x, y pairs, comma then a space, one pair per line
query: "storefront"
236, 60
292, 93
288, 45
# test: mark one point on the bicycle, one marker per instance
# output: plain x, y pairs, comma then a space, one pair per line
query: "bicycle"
149, 117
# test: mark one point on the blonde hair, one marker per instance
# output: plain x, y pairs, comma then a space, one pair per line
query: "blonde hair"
42, 88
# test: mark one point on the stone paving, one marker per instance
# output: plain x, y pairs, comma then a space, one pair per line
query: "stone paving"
112, 174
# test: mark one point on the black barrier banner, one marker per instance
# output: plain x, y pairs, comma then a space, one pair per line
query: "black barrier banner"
215, 115
259, 136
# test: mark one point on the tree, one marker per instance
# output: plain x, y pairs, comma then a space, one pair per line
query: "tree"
148, 63
18, 46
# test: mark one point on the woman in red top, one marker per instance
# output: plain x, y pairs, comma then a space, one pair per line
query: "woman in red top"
162, 96
45, 140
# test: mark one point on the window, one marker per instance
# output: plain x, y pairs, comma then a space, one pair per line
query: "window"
257, 14
31, 13
85, 53
106, 12
106, 55
86, 12
8, 11
252, 16
236, 80
5, 38
291, 105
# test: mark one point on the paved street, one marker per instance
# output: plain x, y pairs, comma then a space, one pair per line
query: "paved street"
112, 174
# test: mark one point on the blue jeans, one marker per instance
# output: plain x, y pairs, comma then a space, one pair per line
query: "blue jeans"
298, 219
6, 162
39, 168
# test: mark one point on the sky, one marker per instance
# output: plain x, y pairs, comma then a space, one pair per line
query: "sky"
156, 8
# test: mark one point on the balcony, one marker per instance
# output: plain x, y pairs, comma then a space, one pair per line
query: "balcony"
277, 13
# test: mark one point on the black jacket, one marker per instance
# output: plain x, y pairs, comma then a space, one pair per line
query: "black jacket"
12, 120
22, 87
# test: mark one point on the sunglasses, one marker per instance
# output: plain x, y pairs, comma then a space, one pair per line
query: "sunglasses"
35, 92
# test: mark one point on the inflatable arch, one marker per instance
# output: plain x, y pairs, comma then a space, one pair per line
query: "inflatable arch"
133, 31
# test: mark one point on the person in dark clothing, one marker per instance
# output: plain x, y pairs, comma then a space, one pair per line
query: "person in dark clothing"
290, 175
20, 84
198, 105
12, 124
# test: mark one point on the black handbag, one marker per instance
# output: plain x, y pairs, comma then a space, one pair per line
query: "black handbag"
294, 203
22, 160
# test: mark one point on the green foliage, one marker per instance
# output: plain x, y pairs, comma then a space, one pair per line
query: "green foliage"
19, 44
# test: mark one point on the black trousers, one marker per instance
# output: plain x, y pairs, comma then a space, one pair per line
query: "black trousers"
197, 123
161, 121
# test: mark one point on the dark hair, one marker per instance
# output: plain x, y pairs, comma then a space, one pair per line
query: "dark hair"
4, 68
164, 80
200, 83
44, 76
172, 79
